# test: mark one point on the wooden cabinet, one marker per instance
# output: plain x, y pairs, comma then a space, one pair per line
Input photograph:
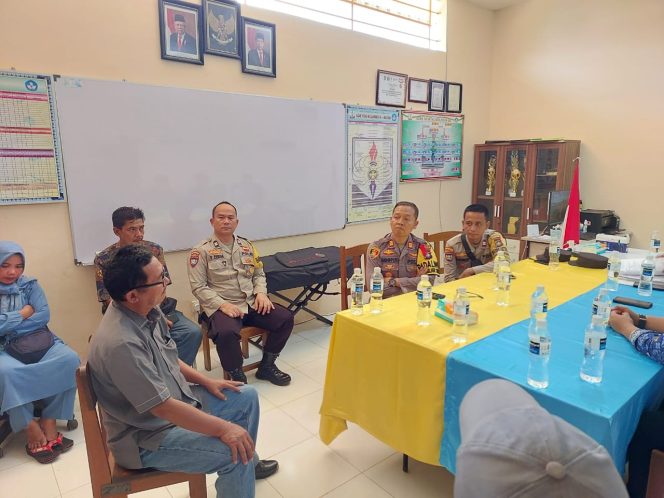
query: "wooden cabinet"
513, 180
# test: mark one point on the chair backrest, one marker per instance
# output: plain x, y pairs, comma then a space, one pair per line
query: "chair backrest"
656, 475
357, 253
438, 240
99, 457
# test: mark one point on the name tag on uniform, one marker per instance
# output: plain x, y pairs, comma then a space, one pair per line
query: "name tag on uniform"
247, 259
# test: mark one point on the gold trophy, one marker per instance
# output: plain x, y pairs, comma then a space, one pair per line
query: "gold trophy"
511, 225
515, 175
491, 176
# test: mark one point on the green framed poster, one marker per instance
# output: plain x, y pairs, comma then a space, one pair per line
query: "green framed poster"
431, 145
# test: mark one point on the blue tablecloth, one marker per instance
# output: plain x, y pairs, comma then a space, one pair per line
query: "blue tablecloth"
608, 412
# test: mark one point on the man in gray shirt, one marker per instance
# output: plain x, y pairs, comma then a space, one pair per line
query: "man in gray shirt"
152, 415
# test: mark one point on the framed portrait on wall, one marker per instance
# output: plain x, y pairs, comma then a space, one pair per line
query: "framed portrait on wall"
259, 47
180, 27
437, 95
453, 97
222, 28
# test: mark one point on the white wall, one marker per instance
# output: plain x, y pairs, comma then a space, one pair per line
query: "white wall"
589, 70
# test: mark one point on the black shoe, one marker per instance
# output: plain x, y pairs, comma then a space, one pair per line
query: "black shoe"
265, 468
267, 370
238, 375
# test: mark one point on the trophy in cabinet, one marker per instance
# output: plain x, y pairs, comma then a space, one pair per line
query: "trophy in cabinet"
515, 174
512, 225
491, 176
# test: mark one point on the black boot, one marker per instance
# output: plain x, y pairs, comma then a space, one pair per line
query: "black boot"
238, 375
267, 370
265, 468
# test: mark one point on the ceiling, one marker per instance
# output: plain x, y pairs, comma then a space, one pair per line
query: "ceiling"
495, 4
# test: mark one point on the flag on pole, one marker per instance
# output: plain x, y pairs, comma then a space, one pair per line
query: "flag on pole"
573, 217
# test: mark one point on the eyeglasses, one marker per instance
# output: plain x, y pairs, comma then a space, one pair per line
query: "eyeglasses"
162, 281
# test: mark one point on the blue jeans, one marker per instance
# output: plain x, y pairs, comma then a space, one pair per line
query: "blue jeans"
186, 451
187, 336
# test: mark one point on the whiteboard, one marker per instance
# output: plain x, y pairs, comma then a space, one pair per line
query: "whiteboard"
176, 152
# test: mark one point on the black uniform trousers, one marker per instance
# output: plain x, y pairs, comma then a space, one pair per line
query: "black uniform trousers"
225, 332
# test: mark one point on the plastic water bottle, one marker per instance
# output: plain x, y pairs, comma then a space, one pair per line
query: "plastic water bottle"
539, 304
539, 347
501, 257
376, 291
647, 272
554, 254
424, 291
613, 272
655, 242
357, 291
602, 307
594, 348
461, 310
504, 278
554, 248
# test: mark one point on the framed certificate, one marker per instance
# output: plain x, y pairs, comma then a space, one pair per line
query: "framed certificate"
391, 89
437, 95
418, 90
453, 97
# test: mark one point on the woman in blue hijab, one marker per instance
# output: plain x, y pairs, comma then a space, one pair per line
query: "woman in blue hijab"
23, 309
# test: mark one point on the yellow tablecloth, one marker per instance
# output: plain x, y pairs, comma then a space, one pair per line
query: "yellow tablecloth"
387, 374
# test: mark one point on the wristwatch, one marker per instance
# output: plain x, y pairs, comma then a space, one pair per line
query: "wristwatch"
391, 282
642, 322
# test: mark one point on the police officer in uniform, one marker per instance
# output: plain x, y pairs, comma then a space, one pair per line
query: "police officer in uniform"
129, 226
472, 251
401, 256
227, 278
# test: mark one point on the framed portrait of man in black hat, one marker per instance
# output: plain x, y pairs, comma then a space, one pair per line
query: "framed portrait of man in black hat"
259, 47
180, 27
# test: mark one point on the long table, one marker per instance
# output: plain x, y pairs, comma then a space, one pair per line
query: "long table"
607, 412
389, 375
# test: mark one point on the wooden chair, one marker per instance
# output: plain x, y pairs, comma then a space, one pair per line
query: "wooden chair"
439, 240
357, 253
253, 335
656, 475
108, 478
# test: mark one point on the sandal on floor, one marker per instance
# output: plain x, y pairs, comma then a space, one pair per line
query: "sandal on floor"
61, 444
43, 454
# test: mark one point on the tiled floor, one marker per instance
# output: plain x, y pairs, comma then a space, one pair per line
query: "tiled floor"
355, 465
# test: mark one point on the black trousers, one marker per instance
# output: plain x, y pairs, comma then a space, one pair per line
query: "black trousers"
225, 332
649, 436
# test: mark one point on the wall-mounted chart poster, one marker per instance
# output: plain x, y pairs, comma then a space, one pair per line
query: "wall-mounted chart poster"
30, 164
431, 144
373, 152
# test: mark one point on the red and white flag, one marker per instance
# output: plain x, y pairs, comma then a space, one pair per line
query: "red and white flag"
573, 215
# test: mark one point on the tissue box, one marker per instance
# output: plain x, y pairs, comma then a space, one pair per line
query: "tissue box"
445, 311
